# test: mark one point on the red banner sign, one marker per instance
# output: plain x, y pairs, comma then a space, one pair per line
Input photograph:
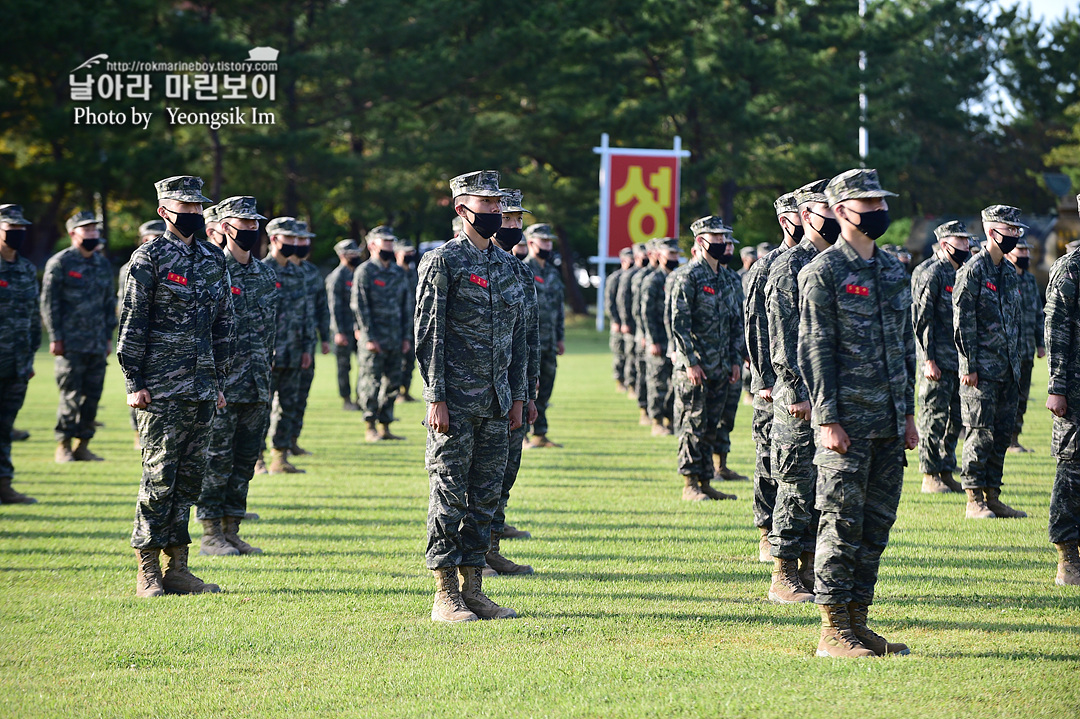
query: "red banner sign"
643, 197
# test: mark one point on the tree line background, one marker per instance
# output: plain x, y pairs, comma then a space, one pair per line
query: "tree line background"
379, 103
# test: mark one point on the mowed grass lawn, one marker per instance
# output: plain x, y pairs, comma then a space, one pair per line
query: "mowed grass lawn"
642, 605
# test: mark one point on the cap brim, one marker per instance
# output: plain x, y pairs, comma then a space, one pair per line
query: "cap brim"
201, 199
241, 216
84, 223
13, 221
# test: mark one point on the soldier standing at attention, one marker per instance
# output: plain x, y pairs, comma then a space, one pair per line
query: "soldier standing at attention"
338, 291
175, 349
313, 281
857, 358
642, 371
939, 424
986, 328
20, 337
658, 363
624, 297
382, 310
611, 304
733, 286
213, 229
473, 358
762, 376
706, 325
295, 337
1031, 334
405, 254
549, 301
79, 312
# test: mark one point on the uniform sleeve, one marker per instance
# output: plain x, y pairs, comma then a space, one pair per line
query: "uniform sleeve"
623, 298
131, 344
1061, 295
322, 312
518, 371
818, 329
611, 293
361, 301
52, 299
756, 330
430, 325
221, 334
338, 301
652, 303
311, 320
782, 303
532, 335
926, 292
108, 300
737, 324
965, 319
682, 322
909, 364
560, 314
1040, 316
407, 308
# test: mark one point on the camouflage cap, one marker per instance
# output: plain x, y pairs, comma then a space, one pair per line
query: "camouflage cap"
284, 226
153, 227
1071, 247
785, 203
1004, 214
639, 248
811, 192
304, 231
664, 244
540, 231
404, 246
210, 214
857, 184
483, 183
511, 201
379, 233
952, 228
81, 218
748, 251
626, 252
1023, 244
242, 207
709, 223
764, 248
346, 246
13, 215
182, 188
457, 224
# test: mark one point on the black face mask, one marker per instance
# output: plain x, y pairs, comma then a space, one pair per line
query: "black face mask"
957, 256
1023, 262
486, 224
671, 264
872, 224
521, 252
1007, 243
830, 228
719, 251
410, 259
386, 255
15, 238
643, 262
245, 239
796, 235
188, 223
544, 255
288, 250
89, 243
302, 250
508, 237
353, 262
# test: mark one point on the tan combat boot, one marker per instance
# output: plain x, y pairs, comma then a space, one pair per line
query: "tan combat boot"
620, 387
643, 418
786, 587
933, 484
372, 434
511, 532
806, 570
8, 495
231, 525
260, 465
999, 508
659, 429
280, 465
449, 606
726, 473
692, 490
385, 433
952, 484
1068, 573
350, 406
708, 490
63, 452
868, 637
178, 579
631, 393
297, 451
148, 579
1015, 447
837, 637
82, 452
500, 564
472, 592
213, 541
764, 547
976, 505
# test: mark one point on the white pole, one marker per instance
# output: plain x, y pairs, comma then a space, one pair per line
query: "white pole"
602, 229
864, 138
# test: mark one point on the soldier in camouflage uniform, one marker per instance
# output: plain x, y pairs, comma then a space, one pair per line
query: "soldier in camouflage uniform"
857, 358
1063, 358
611, 305
624, 298
549, 301
939, 422
238, 429
1031, 334
213, 227
706, 331
295, 338
658, 362
986, 328
20, 337
321, 313
382, 311
733, 286
640, 352
175, 350
473, 358
338, 293
79, 312
405, 255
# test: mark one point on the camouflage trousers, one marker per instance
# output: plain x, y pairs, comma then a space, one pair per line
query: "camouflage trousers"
988, 412
795, 518
236, 440
618, 359
379, 383
549, 363
1026, 365
1065, 503
697, 414
344, 355
80, 377
285, 384
939, 422
465, 476
513, 464
307, 376
727, 417
12, 394
408, 364
174, 435
641, 375
764, 484
857, 495
661, 391
629, 364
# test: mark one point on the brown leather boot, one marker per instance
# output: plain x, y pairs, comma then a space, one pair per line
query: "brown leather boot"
952, 484
712, 493
976, 505
999, 508
1068, 569
8, 495
511, 532
764, 547
385, 433
260, 465
448, 605
280, 465
472, 592
213, 540
643, 418
692, 490
726, 473
786, 586
500, 564
297, 451
837, 637
806, 570
372, 434
63, 452
932, 484
1015, 447
870, 639
83, 454
620, 387
148, 578
178, 579
231, 525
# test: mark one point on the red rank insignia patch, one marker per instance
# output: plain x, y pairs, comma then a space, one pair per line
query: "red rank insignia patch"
235, 290
948, 288
538, 279
857, 290
478, 280
278, 285
348, 283
3, 283
178, 279
991, 286
708, 290
380, 283
76, 275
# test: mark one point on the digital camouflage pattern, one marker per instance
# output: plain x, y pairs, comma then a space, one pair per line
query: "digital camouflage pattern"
734, 393
182, 188
339, 285
383, 313
1062, 335
313, 280
857, 184
81, 219
408, 359
20, 337
483, 183
295, 336
658, 367
236, 441
551, 323
1031, 341
1004, 214
78, 305
615, 341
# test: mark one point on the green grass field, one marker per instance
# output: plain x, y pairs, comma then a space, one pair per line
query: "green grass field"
642, 605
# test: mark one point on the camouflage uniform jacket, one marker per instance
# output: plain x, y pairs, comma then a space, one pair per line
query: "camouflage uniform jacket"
470, 330
295, 315
856, 349
20, 317
706, 319
1031, 316
652, 309
527, 281
735, 289
77, 302
177, 321
783, 308
932, 313
255, 300
756, 324
611, 296
1063, 351
624, 298
986, 318
637, 322
550, 298
338, 298
317, 295
381, 304
125, 270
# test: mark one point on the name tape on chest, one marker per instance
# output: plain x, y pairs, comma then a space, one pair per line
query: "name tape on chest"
348, 283
858, 290
991, 286
76, 275
948, 288
235, 290
708, 290
380, 283
277, 285
478, 280
178, 279
538, 278
3, 283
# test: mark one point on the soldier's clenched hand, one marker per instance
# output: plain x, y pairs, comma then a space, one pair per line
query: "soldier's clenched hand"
800, 410
931, 371
438, 417
57, 348
834, 437
305, 360
515, 414
340, 339
736, 373
530, 412
766, 394
654, 350
911, 435
372, 346
139, 399
1057, 405
696, 375
221, 400
970, 380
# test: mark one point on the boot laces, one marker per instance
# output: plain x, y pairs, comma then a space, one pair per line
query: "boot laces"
790, 573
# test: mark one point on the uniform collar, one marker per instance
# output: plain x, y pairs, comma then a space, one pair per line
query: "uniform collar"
184, 247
